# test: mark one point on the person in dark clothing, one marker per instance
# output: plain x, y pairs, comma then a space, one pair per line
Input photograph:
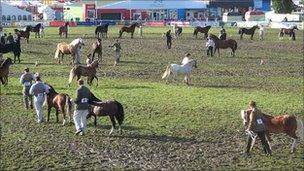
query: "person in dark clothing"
256, 126
169, 39
3, 38
223, 34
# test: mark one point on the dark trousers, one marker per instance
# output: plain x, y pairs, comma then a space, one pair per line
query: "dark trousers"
210, 51
169, 43
262, 137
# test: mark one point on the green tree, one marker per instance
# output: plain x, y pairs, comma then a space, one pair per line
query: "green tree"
282, 6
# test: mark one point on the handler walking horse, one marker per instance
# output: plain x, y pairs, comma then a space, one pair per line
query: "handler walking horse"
223, 44
202, 30
89, 71
128, 29
25, 34
289, 32
64, 29
288, 124
61, 102
102, 30
185, 69
178, 31
111, 108
73, 48
248, 31
4, 70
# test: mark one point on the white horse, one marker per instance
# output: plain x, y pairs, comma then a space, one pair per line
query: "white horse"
73, 48
185, 68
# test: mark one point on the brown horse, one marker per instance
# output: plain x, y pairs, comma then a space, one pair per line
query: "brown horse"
102, 30
25, 34
4, 70
248, 31
223, 44
61, 102
89, 71
288, 124
289, 32
202, 30
64, 29
111, 108
73, 48
128, 29
96, 48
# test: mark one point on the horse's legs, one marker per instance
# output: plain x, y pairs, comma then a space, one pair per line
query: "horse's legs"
241, 36
132, 35
78, 77
57, 120
48, 116
64, 115
113, 124
2, 80
294, 145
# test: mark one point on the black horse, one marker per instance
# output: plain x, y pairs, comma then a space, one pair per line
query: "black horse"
290, 32
36, 30
103, 30
248, 31
14, 47
25, 34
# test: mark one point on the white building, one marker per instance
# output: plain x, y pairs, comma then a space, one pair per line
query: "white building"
13, 14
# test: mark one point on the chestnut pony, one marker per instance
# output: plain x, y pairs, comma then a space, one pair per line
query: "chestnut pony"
223, 44
288, 124
64, 29
128, 29
202, 30
73, 48
111, 108
89, 71
61, 102
289, 32
248, 31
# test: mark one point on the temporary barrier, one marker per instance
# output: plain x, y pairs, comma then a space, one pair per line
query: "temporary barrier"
61, 23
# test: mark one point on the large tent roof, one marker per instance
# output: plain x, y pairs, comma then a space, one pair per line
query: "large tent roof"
156, 4
11, 10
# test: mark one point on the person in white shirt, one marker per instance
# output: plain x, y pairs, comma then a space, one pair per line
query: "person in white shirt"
38, 90
210, 46
261, 32
186, 58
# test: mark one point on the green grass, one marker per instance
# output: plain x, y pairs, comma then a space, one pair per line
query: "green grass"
167, 125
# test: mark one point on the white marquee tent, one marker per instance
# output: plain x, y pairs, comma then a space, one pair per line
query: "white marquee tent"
11, 14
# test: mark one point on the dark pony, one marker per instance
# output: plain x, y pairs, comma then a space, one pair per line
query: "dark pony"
178, 31
248, 31
288, 124
202, 30
289, 32
111, 108
128, 29
61, 102
36, 30
103, 30
223, 44
25, 34
96, 48
89, 71
4, 70
64, 29
14, 47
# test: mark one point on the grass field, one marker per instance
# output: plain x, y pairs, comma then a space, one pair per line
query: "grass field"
167, 126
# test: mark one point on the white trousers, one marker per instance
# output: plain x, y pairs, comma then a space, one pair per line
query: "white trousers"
80, 119
38, 100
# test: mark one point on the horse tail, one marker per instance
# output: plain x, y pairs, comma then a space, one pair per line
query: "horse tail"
195, 31
68, 106
96, 30
300, 128
120, 114
167, 72
72, 74
57, 52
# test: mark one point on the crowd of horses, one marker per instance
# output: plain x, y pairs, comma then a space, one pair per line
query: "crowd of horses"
291, 125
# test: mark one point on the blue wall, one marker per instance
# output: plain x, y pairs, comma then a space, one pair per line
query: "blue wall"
181, 14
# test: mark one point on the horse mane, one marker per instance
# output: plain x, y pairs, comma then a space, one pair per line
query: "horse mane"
214, 37
5, 62
51, 90
75, 41
94, 98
